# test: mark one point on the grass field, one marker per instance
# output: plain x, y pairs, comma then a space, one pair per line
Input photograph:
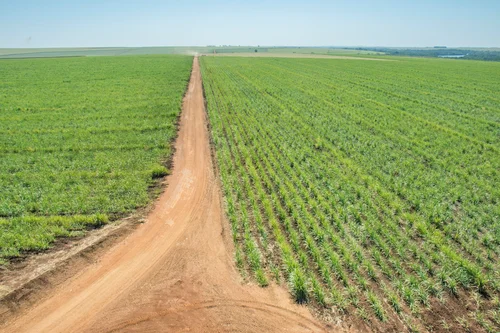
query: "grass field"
81, 141
370, 188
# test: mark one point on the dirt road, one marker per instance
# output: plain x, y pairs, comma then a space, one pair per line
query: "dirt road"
175, 273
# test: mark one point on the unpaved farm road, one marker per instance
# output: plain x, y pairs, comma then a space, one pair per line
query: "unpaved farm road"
175, 273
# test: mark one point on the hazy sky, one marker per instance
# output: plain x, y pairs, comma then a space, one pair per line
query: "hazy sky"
73, 23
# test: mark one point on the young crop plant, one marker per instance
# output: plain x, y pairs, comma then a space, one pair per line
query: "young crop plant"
369, 185
82, 142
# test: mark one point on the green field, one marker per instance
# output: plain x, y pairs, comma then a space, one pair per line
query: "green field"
187, 50
369, 187
98, 51
323, 50
81, 141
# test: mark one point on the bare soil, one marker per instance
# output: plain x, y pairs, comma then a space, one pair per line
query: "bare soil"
175, 272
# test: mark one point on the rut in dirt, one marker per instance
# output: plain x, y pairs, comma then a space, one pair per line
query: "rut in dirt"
176, 271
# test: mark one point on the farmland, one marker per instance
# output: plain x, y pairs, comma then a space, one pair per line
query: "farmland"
81, 142
6, 53
369, 188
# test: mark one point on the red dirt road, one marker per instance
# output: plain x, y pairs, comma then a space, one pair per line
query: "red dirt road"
175, 273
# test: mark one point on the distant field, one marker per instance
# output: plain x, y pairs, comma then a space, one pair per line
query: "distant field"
375, 52
369, 187
326, 51
296, 55
293, 51
55, 51
81, 140
464, 53
92, 52
119, 51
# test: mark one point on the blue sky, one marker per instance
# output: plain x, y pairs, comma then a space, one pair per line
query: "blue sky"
52, 23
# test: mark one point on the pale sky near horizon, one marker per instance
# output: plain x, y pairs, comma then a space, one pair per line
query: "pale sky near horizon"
73, 23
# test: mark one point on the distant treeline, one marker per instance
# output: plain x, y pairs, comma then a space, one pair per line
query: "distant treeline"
488, 55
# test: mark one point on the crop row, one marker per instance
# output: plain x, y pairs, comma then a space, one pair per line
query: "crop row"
354, 200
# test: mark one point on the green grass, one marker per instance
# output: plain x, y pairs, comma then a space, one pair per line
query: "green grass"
371, 185
81, 141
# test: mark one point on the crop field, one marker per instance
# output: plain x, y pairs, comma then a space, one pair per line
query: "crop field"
81, 141
323, 50
6, 53
369, 188
98, 51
